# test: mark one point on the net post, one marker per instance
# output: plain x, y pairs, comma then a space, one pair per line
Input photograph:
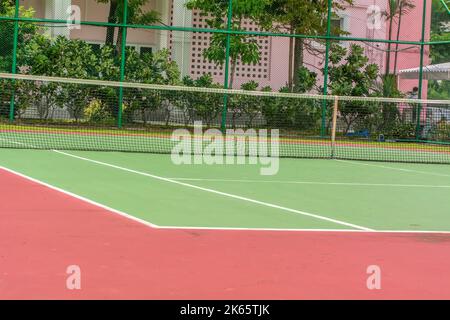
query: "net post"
14, 59
333, 130
122, 62
223, 125
325, 72
422, 52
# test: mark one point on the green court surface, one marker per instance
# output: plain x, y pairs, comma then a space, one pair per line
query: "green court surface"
305, 194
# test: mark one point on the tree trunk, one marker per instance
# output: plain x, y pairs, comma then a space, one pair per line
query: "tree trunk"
233, 71
112, 18
119, 42
298, 60
388, 54
291, 54
398, 38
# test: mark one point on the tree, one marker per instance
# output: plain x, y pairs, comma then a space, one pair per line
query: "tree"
204, 105
301, 17
396, 10
246, 106
405, 7
136, 15
5, 5
149, 68
386, 121
26, 31
294, 113
352, 75
440, 53
58, 57
243, 48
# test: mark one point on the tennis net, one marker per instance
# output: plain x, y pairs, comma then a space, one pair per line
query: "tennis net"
39, 112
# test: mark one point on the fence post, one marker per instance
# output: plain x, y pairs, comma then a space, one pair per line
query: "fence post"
14, 59
227, 66
333, 128
123, 61
325, 75
422, 51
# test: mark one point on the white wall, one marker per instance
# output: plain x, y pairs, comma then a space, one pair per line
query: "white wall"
181, 41
57, 9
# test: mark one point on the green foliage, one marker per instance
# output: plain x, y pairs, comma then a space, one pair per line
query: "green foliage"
440, 53
439, 90
388, 119
352, 75
304, 17
442, 132
60, 57
439, 18
107, 66
439, 131
26, 32
306, 80
299, 114
64, 57
150, 68
198, 105
244, 106
301, 17
97, 112
402, 130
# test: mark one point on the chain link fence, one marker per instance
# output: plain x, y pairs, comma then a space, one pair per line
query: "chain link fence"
358, 48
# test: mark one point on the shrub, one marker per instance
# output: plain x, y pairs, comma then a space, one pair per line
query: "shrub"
97, 112
443, 131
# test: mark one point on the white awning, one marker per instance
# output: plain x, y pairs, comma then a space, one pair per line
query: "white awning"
432, 72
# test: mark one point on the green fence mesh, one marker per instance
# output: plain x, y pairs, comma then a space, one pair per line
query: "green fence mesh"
361, 49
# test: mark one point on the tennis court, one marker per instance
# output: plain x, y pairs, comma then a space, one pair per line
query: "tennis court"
112, 201
140, 226
197, 150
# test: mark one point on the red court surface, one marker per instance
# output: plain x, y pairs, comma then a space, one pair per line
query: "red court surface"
43, 231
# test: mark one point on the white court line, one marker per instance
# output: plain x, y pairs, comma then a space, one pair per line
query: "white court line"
394, 168
18, 143
154, 226
310, 230
351, 184
229, 195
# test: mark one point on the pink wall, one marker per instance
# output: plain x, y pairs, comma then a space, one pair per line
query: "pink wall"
93, 11
37, 5
411, 29
356, 21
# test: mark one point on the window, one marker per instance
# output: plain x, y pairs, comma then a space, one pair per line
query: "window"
337, 23
95, 47
145, 50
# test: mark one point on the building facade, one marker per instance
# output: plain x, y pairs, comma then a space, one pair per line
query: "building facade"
358, 21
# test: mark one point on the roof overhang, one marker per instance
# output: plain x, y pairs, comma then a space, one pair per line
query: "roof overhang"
431, 72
